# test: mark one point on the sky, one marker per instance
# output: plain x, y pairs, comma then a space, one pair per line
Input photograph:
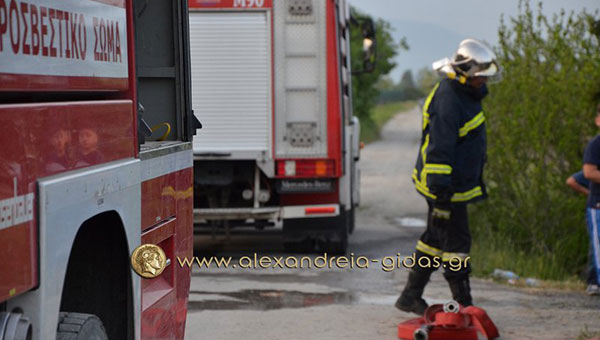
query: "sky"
434, 28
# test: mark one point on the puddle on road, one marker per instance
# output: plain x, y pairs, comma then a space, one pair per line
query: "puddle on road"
266, 300
410, 222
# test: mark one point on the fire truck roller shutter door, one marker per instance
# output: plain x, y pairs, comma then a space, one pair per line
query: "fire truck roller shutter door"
231, 82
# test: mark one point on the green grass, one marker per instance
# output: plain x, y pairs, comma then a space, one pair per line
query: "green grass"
488, 254
587, 334
380, 114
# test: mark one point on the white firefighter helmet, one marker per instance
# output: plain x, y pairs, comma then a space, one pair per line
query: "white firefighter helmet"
473, 58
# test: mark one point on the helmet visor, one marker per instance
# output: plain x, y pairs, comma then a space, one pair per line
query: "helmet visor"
489, 70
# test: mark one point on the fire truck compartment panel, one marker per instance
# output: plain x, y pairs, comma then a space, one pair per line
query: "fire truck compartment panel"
231, 81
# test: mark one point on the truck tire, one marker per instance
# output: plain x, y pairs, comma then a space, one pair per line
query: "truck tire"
329, 234
339, 246
79, 326
305, 246
351, 215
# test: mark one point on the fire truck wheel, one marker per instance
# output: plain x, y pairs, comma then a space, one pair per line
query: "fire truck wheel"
79, 326
339, 246
351, 219
305, 246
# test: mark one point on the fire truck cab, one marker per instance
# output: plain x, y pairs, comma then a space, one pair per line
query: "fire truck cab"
272, 86
96, 159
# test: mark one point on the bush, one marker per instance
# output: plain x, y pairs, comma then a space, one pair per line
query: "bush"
364, 91
399, 95
539, 119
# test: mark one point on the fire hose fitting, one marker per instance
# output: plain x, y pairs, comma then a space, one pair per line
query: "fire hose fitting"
449, 321
422, 333
451, 307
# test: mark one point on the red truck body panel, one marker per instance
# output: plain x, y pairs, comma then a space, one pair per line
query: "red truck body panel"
43, 140
334, 111
230, 4
164, 299
83, 48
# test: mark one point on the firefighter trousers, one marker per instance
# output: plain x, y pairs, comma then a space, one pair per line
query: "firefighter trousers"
447, 241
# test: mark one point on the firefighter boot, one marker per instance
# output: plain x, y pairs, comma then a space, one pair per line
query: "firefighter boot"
411, 300
461, 290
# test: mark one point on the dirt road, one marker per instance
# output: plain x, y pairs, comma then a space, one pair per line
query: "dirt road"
357, 303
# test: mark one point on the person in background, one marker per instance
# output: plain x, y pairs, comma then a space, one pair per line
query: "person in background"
580, 184
591, 161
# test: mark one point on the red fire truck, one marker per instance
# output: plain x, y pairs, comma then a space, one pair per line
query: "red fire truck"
83, 181
271, 81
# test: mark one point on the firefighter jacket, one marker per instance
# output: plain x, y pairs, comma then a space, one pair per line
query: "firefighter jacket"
453, 144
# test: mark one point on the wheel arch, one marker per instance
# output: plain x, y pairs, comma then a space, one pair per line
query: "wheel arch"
98, 278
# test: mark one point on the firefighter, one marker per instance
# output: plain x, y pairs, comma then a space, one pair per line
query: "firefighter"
448, 172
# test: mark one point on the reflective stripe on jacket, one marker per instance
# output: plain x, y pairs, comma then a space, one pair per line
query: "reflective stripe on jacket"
453, 144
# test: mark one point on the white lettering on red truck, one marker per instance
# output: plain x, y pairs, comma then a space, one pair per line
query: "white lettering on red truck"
16, 210
248, 3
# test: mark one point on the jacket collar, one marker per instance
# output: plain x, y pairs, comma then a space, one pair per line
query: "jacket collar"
475, 93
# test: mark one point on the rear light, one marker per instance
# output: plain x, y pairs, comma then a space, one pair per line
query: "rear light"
290, 168
306, 168
321, 168
319, 210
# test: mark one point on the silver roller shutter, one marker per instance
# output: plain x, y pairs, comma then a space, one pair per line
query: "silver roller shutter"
231, 82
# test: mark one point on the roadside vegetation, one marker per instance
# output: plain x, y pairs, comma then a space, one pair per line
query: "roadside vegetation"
586, 334
539, 119
365, 89
376, 96
395, 97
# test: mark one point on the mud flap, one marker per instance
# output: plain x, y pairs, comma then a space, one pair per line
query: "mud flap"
329, 234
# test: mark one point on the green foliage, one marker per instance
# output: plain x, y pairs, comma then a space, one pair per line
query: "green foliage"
407, 81
383, 113
364, 91
426, 79
539, 119
405, 90
385, 83
398, 95
586, 334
